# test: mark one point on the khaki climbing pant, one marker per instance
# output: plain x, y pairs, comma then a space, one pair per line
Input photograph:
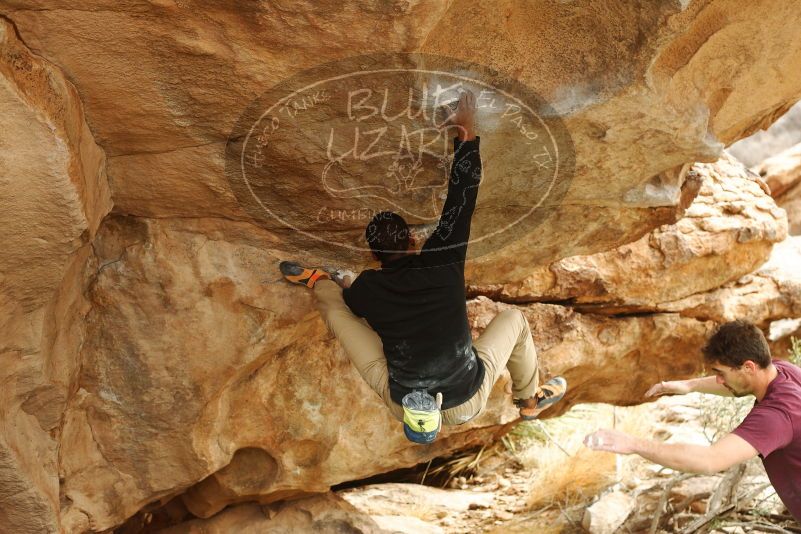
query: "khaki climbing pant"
506, 342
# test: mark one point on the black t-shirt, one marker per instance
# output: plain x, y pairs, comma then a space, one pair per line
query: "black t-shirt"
417, 304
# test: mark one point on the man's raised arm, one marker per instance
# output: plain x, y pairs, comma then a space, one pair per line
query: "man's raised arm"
449, 240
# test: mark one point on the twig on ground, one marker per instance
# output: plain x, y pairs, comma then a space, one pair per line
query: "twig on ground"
660, 507
773, 517
782, 517
726, 492
706, 518
569, 519
422, 480
764, 527
548, 435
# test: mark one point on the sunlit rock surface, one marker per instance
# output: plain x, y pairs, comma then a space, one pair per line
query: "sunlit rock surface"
782, 173
205, 374
727, 232
326, 514
53, 194
642, 90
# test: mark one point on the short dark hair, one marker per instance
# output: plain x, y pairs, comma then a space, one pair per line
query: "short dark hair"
387, 233
735, 342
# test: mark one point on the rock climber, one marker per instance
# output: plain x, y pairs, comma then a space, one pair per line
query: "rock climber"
413, 340
739, 356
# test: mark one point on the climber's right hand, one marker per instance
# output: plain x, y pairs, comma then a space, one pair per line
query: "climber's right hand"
463, 117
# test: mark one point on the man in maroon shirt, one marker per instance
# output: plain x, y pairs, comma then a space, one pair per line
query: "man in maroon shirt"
739, 356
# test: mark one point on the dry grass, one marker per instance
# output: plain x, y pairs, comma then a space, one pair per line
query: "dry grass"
568, 481
466, 464
566, 476
565, 472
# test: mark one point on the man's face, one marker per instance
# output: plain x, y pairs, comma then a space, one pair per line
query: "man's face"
738, 380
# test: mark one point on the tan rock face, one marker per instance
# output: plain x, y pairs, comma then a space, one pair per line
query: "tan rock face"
153, 359
326, 514
791, 203
593, 351
726, 232
202, 408
54, 194
771, 293
159, 414
643, 91
166, 80
783, 174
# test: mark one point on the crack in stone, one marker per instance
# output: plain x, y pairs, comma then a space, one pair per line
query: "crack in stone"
175, 149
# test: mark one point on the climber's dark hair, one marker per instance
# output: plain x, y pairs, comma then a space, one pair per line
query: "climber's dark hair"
387, 233
735, 342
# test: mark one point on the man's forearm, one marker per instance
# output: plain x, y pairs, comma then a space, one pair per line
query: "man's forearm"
467, 132
678, 456
453, 228
708, 384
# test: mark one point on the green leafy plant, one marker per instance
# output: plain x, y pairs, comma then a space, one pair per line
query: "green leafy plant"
720, 415
795, 351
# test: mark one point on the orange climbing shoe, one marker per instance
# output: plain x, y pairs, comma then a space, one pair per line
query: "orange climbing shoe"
549, 394
297, 274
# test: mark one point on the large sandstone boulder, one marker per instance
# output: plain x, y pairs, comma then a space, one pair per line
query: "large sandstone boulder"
256, 401
782, 173
669, 337
326, 514
198, 412
152, 358
726, 232
771, 293
53, 194
642, 90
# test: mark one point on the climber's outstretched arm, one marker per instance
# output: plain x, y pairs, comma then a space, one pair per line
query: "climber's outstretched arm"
706, 384
728, 451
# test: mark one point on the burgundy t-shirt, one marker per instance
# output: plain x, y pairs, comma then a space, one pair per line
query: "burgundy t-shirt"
773, 428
